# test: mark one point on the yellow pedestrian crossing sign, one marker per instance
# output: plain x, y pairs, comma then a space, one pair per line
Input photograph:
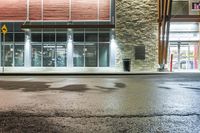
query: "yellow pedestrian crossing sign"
4, 29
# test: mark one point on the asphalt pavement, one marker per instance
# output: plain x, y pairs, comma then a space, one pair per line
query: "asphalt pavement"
161, 103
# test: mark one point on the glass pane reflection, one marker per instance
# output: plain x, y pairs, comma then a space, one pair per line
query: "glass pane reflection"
61, 55
36, 55
104, 54
19, 55
78, 56
8, 58
48, 55
91, 55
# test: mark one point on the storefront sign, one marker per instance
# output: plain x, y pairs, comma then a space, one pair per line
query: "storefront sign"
196, 6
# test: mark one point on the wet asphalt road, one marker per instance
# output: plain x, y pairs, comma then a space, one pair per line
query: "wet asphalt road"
105, 104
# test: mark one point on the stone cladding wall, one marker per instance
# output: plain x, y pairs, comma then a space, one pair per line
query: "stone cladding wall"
136, 24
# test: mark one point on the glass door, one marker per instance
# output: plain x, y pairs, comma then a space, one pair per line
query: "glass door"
185, 56
173, 50
78, 56
19, 55
8, 55
104, 54
61, 54
184, 62
36, 55
48, 55
91, 55
85, 55
189, 57
192, 63
195, 50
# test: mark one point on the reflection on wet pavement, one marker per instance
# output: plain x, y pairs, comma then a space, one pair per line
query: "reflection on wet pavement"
164, 87
120, 85
101, 94
195, 88
64, 103
44, 86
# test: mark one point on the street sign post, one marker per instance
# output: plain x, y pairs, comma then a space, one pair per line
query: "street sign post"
4, 31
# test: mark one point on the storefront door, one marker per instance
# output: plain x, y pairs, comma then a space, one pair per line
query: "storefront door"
185, 56
91, 55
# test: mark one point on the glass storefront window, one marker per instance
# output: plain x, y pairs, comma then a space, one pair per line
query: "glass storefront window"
49, 37
8, 37
61, 55
49, 47
104, 37
91, 37
91, 49
78, 37
8, 57
14, 53
91, 55
61, 37
180, 7
36, 55
36, 37
19, 55
48, 55
17, 27
185, 55
104, 54
78, 56
19, 37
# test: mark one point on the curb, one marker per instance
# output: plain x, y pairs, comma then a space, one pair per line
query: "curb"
97, 74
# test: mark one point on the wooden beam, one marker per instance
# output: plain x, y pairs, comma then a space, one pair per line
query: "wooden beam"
164, 31
185, 18
159, 30
168, 29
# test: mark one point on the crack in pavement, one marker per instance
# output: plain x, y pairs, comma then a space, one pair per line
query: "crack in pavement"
13, 114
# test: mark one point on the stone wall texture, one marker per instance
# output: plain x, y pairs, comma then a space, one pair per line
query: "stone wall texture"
136, 24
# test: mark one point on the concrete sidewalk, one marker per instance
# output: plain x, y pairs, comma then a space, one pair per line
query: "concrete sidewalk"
81, 71
94, 73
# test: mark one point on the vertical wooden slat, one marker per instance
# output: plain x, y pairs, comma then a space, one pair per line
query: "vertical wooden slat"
164, 14
164, 30
159, 31
35, 10
104, 9
84, 10
13, 10
168, 28
56, 10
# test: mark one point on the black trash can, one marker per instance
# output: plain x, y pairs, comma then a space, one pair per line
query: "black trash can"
126, 65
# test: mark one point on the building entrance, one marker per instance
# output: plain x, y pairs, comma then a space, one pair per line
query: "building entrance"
85, 55
91, 55
185, 56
